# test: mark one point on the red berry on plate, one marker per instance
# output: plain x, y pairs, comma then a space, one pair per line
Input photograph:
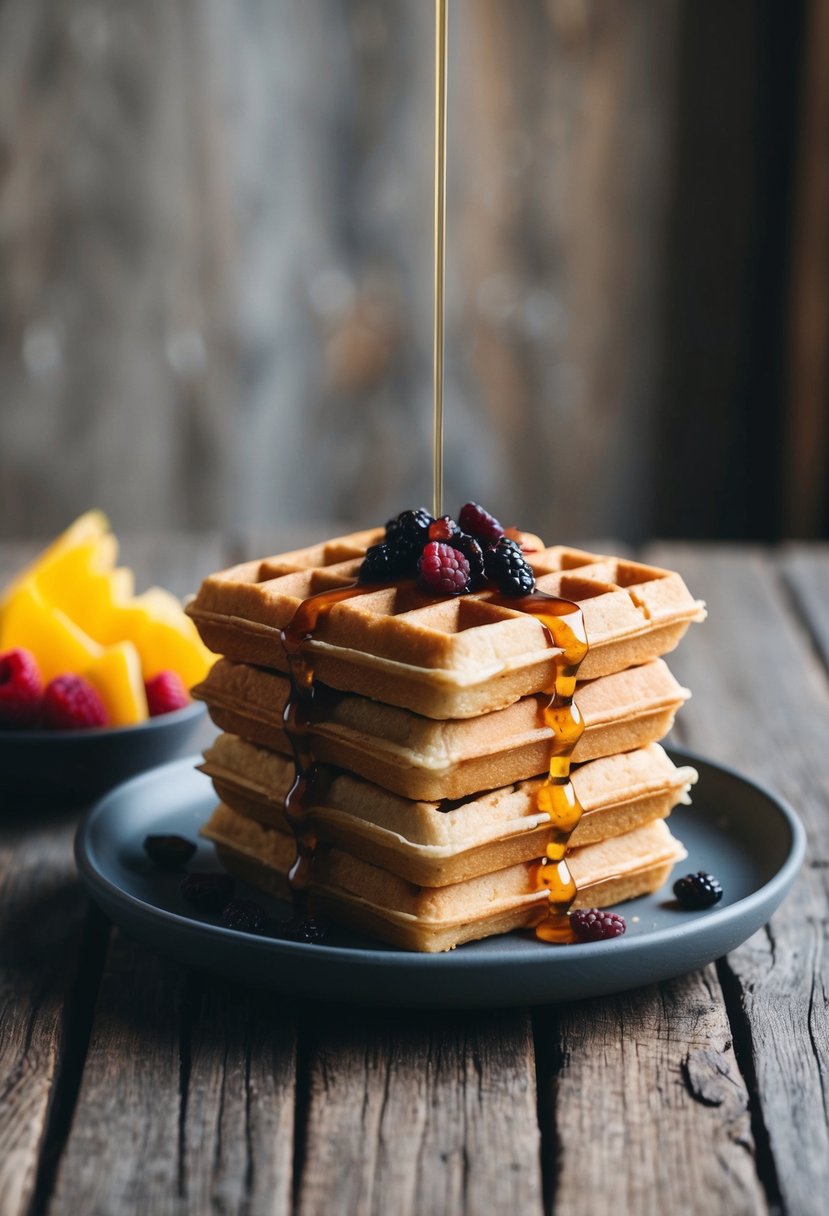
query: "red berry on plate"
443, 570
21, 688
165, 692
71, 703
595, 924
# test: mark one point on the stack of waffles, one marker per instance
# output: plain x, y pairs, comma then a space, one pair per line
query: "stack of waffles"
429, 742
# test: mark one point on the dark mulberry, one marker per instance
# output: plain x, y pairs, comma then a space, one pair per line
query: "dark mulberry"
698, 890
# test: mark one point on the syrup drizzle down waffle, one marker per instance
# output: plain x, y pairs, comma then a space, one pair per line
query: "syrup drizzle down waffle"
450, 658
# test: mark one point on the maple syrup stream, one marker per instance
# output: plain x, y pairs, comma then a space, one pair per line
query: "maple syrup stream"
561, 620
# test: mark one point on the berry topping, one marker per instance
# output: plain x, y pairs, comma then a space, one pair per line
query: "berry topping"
169, 852
444, 529
303, 929
479, 523
208, 892
381, 564
595, 924
506, 565
244, 915
165, 692
698, 890
71, 703
408, 532
443, 570
21, 688
474, 554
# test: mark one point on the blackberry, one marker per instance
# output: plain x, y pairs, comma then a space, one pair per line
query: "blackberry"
208, 892
506, 565
380, 565
303, 929
479, 523
596, 925
169, 852
244, 915
443, 570
408, 532
697, 891
474, 554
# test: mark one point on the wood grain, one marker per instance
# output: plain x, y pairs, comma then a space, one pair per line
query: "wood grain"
41, 947
761, 703
651, 1112
420, 1114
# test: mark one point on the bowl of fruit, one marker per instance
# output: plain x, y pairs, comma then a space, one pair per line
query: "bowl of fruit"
94, 679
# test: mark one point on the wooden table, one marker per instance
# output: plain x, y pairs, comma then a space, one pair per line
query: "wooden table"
131, 1085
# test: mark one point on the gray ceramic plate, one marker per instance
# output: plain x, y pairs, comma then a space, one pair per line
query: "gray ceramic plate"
745, 835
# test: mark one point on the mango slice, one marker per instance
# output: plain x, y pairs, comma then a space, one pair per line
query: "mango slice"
92, 526
57, 643
73, 602
117, 677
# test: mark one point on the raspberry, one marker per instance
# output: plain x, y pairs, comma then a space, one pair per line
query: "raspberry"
507, 566
595, 925
381, 564
208, 892
165, 692
698, 890
244, 915
479, 523
169, 852
303, 929
443, 570
21, 688
408, 532
71, 703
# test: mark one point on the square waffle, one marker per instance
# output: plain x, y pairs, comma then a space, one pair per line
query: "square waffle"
353, 891
425, 758
450, 658
438, 843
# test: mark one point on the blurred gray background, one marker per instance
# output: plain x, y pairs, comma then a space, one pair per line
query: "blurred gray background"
215, 263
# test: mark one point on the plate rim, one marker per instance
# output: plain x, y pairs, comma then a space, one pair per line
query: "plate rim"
458, 960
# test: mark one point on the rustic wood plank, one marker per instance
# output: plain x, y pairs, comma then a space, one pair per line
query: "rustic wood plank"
187, 1099
48, 969
425, 1113
239, 1127
122, 1154
761, 703
651, 1114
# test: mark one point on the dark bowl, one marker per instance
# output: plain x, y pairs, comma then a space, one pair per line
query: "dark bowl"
74, 766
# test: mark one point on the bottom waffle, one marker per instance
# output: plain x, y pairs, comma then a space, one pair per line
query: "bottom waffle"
429, 919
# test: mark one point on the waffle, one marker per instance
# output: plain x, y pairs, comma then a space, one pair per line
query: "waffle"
454, 658
373, 900
428, 844
422, 758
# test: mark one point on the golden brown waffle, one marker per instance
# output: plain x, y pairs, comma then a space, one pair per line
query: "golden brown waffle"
433, 919
427, 844
422, 757
450, 658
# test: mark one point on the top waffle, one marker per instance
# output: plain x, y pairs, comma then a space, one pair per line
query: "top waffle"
447, 658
